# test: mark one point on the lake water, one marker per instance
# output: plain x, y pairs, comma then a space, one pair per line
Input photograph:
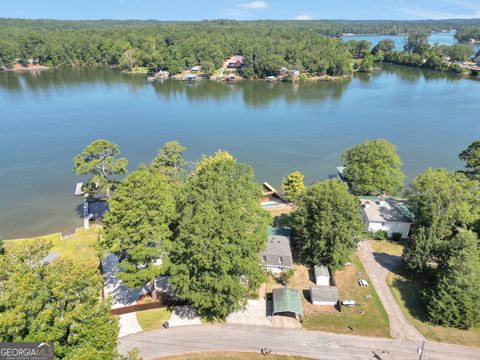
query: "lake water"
46, 118
441, 38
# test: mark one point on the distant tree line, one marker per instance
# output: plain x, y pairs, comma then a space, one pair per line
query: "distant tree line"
266, 45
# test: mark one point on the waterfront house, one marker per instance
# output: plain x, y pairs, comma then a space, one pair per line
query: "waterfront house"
235, 62
277, 256
386, 214
196, 68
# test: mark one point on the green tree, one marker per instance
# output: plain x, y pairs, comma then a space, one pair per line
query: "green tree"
128, 60
328, 222
215, 256
373, 168
417, 43
444, 201
383, 47
138, 224
471, 156
453, 300
208, 68
366, 64
100, 159
460, 52
170, 161
293, 185
420, 250
56, 302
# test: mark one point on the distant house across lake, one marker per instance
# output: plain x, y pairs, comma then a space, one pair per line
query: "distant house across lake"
235, 62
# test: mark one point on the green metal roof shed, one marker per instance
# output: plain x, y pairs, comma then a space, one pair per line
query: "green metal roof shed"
287, 300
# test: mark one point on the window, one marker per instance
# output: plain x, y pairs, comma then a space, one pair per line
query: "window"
264, 258
280, 260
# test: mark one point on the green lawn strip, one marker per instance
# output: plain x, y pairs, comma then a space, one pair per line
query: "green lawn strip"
230, 356
153, 319
368, 318
78, 247
407, 294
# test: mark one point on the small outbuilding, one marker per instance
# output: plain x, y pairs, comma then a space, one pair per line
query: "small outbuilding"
324, 295
322, 275
287, 300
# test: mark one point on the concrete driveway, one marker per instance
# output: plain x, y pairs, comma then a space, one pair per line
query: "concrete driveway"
312, 344
183, 316
129, 324
378, 266
255, 313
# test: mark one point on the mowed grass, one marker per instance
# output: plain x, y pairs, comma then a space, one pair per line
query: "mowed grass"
153, 319
367, 318
407, 292
79, 247
230, 356
387, 247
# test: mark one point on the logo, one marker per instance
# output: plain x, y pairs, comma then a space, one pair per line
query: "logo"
26, 351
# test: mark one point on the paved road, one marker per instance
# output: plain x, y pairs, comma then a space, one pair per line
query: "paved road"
313, 344
378, 266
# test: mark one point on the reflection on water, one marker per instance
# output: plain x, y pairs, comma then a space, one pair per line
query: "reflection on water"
47, 117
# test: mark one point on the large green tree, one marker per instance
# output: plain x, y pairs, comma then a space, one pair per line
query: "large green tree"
100, 160
57, 302
453, 300
139, 222
373, 168
443, 201
328, 222
170, 161
293, 185
417, 43
215, 255
471, 156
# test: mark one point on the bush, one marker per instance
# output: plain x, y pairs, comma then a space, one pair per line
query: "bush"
396, 236
287, 275
380, 235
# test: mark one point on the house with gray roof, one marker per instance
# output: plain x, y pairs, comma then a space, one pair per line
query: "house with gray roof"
277, 256
387, 214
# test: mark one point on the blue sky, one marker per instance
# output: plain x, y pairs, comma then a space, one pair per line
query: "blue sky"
242, 9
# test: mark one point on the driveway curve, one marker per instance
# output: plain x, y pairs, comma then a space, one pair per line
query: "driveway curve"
377, 268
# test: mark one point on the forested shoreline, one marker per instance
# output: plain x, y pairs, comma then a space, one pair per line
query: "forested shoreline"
312, 47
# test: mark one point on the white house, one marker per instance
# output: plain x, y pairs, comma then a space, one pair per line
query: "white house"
387, 214
322, 275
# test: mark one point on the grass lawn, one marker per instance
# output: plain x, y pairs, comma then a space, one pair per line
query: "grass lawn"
387, 247
368, 318
78, 247
152, 319
230, 356
407, 293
